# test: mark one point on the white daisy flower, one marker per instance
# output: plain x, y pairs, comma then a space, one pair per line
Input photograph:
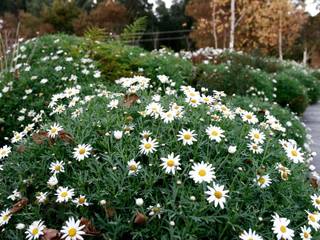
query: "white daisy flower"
42, 197
305, 233
82, 151
280, 228
148, 145
294, 154
54, 130
133, 167
313, 220
187, 136
256, 136
171, 163
155, 210
5, 151
255, 148
81, 201
217, 194
316, 201
215, 133
72, 230
35, 230
202, 172
263, 181
250, 235
5, 217
57, 167
64, 194
249, 117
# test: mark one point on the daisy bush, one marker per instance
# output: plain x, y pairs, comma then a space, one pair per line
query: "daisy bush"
111, 142
126, 161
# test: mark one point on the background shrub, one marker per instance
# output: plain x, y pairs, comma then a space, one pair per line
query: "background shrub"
291, 93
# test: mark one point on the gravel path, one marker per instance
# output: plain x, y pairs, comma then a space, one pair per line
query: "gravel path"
312, 119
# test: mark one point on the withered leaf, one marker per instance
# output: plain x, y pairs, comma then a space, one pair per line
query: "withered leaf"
66, 137
140, 219
50, 234
89, 229
314, 182
17, 207
40, 137
130, 99
21, 148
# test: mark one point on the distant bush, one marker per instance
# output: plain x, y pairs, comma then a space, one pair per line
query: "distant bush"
291, 93
234, 79
311, 83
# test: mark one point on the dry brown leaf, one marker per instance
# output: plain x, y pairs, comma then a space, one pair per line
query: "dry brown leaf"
40, 137
21, 148
66, 137
130, 99
50, 234
89, 229
140, 219
17, 207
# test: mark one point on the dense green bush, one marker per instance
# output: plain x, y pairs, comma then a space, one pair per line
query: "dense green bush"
291, 93
130, 201
234, 79
311, 83
44, 67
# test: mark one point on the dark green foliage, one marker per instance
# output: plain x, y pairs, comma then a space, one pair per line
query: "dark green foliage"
291, 93
308, 80
234, 78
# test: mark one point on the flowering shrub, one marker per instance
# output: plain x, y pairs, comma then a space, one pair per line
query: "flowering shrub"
124, 161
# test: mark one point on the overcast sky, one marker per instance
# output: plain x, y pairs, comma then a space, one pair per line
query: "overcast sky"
311, 8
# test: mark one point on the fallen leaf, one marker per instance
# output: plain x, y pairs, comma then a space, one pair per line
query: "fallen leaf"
39, 137
140, 219
19, 205
66, 137
89, 229
130, 99
50, 234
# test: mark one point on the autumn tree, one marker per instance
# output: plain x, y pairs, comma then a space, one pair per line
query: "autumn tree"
268, 25
109, 15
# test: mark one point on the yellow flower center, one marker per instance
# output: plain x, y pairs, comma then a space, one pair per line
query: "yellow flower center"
35, 231
82, 151
72, 232
249, 116
133, 168
202, 172
312, 218
147, 146
318, 201
214, 133
193, 100
218, 194
283, 229
294, 153
306, 235
170, 163
5, 217
256, 135
64, 194
54, 130
57, 168
187, 136
262, 180
82, 200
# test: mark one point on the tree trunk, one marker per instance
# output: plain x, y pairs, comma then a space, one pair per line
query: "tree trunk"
232, 24
214, 29
280, 38
305, 56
